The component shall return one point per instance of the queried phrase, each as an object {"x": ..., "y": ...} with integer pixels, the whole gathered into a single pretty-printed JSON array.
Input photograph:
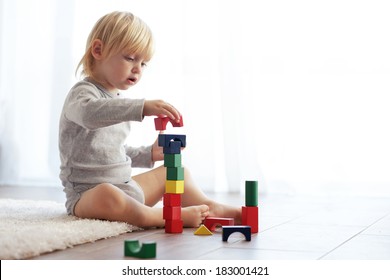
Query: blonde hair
[{"x": 118, "y": 31}]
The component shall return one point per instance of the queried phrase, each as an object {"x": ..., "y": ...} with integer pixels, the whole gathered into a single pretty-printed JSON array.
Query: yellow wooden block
[
  {"x": 203, "y": 230},
  {"x": 172, "y": 186}
]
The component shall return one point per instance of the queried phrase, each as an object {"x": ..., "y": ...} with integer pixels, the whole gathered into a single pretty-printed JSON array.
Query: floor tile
[
  {"x": 267, "y": 222},
  {"x": 296, "y": 237},
  {"x": 340, "y": 217},
  {"x": 363, "y": 247},
  {"x": 253, "y": 254},
  {"x": 290, "y": 206},
  {"x": 382, "y": 227}
]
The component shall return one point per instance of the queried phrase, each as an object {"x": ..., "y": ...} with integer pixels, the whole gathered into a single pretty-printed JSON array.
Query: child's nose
[{"x": 137, "y": 68}]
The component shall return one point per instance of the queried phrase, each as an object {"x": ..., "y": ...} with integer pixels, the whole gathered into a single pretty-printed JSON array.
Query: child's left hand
[{"x": 157, "y": 152}]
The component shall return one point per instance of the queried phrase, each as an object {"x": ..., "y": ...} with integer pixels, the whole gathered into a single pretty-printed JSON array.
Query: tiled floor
[
  {"x": 291, "y": 228},
  {"x": 328, "y": 228}
]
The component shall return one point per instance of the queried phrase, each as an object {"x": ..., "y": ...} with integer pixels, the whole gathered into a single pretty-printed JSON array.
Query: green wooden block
[
  {"x": 172, "y": 160},
  {"x": 145, "y": 251},
  {"x": 175, "y": 173},
  {"x": 251, "y": 193}
]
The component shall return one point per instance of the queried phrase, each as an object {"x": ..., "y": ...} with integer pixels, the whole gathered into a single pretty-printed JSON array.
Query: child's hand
[
  {"x": 161, "y": 108},
  {"x": 157, "y": 152}
]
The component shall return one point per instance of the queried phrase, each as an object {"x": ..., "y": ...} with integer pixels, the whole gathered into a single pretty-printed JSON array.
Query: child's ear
[{"x": 97, "y": 49}]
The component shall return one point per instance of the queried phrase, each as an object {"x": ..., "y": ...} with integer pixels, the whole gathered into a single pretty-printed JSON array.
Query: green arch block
[{"x": 145, "y": 251}]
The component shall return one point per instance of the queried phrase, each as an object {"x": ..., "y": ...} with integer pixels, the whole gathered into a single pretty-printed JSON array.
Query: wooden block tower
[
  {"x": 174, "y": 185},
  {"x": 250, "y": 212}
]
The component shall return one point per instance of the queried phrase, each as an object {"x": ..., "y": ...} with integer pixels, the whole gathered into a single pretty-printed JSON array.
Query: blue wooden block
[
  {"x": 174, "y": 148},
  {"x": 228, "y": 230},
  {"x": 165, "y": 139}
]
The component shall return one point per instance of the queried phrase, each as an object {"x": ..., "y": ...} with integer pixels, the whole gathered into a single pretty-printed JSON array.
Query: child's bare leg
[
  {"x": 194, "y": 195},
  {"x": 107, "y": 202},
  {"x": 153, "y": 185}
]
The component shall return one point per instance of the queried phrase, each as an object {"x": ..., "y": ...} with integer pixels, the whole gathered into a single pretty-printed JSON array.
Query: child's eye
[
  {"x": 129, "y": 58},
  {"x": 143, "y": 64}
]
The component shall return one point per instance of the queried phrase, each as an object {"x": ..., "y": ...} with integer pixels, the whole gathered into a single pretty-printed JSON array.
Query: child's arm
[
  {"x": 145, "y": 157},
  {"x": 161, "y": 108},
  {"x": 141, "y": 156},
  {"x": 154, "y": 153},
  {"x": 86, "y": 108}
]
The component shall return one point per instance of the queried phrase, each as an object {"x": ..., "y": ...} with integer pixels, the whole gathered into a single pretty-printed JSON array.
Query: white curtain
[
  {"x": 36, "y": 71},
  {"x": 294, "y": 94}
]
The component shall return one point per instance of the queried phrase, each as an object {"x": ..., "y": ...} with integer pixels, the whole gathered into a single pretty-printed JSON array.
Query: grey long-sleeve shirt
[{"x": 94, "y": 126}]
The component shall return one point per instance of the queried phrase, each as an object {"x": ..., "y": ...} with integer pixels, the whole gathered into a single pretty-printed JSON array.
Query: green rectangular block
[
  {"x": 175, "y": 173},
  {"x": 251, "y": 193},
  {"x": 172, "y": 160}
]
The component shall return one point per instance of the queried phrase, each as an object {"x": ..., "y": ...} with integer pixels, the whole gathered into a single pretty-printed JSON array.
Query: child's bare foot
[
  {"x": 225, "y": 211},
  {"x": 193, "y": 216}
]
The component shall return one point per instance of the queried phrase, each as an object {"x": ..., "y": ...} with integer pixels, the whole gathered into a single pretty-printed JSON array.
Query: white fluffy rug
[{"x": 29, "y": 228}]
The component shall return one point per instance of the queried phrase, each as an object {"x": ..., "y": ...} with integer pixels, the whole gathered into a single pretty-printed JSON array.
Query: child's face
[{"x": 121, "y": 71}]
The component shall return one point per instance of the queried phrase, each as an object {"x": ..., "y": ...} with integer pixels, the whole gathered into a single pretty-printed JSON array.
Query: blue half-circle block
[{"x": 228, "y": 230}]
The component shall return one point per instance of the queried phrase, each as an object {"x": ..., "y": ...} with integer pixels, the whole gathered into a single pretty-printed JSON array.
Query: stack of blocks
[
  {"x": 250, "y": 212},
  {"x": 249, "y": 217},
  {"x": 174, "y": 185}
]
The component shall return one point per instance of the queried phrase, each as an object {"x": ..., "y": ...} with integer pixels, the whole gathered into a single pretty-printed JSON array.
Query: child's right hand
[{"x": 161, "y": 108}]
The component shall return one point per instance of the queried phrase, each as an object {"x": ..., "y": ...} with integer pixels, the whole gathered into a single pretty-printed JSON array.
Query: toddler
[{"x": 96, "y": 163}]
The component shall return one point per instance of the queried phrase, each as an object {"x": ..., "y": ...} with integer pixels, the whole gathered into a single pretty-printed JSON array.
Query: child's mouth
[{"x": 132, "y": 80}]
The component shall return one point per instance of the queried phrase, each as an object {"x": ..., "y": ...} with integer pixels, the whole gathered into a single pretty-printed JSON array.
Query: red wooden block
[
  {"x": 250, "y": 217},
  {"x": 172, "y": 213},
  {"x": 160, "y": 123},
  {"x": 172, "y": 199},
  {"x": 173, "y": 226},
  {"x": 212, "y": 222},
  {"x": 177, "y": 124}
]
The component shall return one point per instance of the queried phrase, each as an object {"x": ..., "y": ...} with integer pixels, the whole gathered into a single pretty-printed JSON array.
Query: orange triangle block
[{"x": 203, "y": 230}]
